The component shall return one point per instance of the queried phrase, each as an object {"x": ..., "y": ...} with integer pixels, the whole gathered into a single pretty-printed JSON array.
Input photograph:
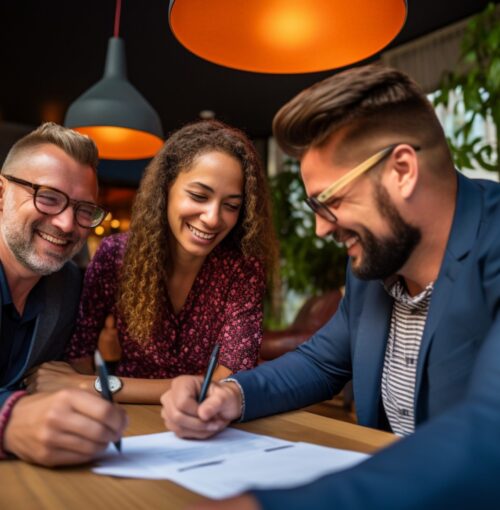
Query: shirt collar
[{"x": 396, "y": 289}]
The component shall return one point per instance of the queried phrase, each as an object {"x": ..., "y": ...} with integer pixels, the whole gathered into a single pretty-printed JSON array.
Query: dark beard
[{"x": 384, "y": 257}]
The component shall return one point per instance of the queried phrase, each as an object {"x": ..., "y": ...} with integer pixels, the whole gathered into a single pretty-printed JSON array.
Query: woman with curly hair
[{"x": 190, "y": 273}]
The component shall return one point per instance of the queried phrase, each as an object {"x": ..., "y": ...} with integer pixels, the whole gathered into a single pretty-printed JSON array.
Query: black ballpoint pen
[
  {"x": 214, "y": 358},
  {"x": 106, "y": 393}
]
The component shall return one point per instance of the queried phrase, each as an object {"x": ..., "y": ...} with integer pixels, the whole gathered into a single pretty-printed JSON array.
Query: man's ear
[{"x": 405, "y": 170}]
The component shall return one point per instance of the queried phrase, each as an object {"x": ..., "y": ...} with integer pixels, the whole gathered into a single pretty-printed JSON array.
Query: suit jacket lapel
[
  {"x": 370, "y": 344},
  {"x": 463, "y": 233},
  {"x": 46, "y": 321}
]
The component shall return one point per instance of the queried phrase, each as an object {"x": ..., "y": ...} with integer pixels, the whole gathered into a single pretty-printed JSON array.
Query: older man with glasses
[
  {"x": 418, "y": 330},
  {"x": 48, "y": 192}
]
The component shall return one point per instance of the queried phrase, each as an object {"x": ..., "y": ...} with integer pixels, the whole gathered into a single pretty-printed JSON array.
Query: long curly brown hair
[{"x": 142, "y": 292}]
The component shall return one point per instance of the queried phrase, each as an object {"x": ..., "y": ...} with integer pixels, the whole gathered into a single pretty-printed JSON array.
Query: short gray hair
[{"x": 80, "y": 147}]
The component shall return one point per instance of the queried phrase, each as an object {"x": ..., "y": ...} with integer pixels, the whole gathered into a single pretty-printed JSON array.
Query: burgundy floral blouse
[{"x": 224, "y": 306}]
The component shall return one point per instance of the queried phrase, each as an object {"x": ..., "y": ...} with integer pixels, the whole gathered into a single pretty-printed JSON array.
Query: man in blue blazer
[
  {"x": 419, "y": 328},
  {"x": 48, "y": 192}
]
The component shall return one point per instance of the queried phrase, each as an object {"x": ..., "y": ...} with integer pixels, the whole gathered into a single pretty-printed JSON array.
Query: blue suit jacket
[
  {"x": 53, "y": 326},
  {"x": 453, "y": 459}
]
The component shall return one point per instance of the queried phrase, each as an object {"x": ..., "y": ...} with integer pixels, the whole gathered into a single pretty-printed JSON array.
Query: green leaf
[
  {"x": 493, "y": 78},
  {"x": 470, "y": 57}
]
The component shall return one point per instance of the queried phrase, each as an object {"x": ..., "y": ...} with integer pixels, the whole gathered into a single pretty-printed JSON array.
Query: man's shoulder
[
  {"x": 68, "y": 280},
  {"x": 490, "y": 191},
  {"x": 61, "y": 293},
  {"x": 69, "y": 270},
  {"x": 477, "y": 215},
  {"x": 490, "y": 214}
]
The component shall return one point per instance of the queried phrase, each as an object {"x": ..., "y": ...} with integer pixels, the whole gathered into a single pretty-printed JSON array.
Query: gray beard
[{"x": 23, "y": 251}]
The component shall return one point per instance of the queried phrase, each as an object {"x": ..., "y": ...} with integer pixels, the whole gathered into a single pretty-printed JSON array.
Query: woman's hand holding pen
[{"x": 184, "y": 416}]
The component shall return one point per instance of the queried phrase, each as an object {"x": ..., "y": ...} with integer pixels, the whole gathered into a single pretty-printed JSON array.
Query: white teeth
[
  {"x": 351, "y": 241},
  {"x": 51, "y": 239},
  {"x": 201, "y": 234}
]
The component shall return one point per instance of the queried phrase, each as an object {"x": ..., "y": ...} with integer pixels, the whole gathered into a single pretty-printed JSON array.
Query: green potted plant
[
  {"x": 477, "y": 80},
  {"x": 309, "y": 265}
]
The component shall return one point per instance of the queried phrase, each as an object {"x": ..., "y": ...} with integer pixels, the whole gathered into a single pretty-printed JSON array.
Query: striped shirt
[{"x": 400, "y": 363}]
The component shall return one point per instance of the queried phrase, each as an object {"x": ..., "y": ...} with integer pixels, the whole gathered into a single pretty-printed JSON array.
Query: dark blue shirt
[{"x": 16, "y": 332}]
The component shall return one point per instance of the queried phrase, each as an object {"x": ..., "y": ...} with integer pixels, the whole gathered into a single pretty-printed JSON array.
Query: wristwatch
[{"x": 115, "y": 384}]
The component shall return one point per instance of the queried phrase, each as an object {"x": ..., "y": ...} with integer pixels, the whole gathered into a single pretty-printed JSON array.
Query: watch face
[{"x": 114, "y": 383}]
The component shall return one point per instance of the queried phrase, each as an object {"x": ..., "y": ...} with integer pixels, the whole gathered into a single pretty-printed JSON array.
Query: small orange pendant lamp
[
  {"x": 286, "y": 36},
  {"x": 113, "y": 113}
]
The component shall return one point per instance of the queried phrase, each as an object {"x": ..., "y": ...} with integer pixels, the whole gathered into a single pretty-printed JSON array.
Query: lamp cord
[{"x": 117, "y": 17}]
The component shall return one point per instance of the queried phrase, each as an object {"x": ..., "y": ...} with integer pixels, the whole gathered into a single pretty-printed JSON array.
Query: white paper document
[{"x": 225, "y": 465}]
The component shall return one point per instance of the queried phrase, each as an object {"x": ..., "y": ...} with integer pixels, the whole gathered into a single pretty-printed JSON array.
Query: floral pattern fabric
[{"x": 223, "y": 306}]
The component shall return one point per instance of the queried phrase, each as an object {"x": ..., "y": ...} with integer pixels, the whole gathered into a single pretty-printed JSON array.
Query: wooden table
[{"x": 27, "y": 487}]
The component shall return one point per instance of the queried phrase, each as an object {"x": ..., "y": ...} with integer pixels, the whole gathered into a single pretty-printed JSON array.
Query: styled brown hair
[
  {"x": 142, "y": 291},
  {"x": 373, "y": 99},
  {"x": 80, "y": 147}
]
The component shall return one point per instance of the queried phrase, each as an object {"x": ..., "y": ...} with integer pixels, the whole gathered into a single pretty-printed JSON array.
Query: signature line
[
  {"x": 202, "y": 464},
  {"x": 279, "y": 448}
]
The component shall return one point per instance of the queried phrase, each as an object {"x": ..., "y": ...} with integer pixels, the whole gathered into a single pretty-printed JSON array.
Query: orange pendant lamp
[
  {"x": 113, "y": 112},
  {"x": 286, "y": 36}
]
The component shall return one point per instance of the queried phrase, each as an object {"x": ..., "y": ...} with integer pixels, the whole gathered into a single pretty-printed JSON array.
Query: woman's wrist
[{"x": 85, "y": 382}]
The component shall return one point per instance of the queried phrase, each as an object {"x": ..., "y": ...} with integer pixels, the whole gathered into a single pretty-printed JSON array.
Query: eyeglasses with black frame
[
  {"x": 52, "y": 201},
  {"x": 319, "y": 203}
]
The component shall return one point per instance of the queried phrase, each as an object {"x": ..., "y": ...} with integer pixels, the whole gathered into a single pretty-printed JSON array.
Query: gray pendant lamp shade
[{"x": 115, "y": 115}]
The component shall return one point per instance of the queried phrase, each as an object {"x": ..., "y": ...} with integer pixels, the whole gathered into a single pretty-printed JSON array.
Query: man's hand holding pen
[
  {"x": 68, "y": 427},
  {"x": 187, "y": 418}
]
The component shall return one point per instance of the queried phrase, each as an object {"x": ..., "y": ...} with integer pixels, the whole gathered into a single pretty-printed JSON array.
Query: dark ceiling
[{"x": 53, "y": 50}]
